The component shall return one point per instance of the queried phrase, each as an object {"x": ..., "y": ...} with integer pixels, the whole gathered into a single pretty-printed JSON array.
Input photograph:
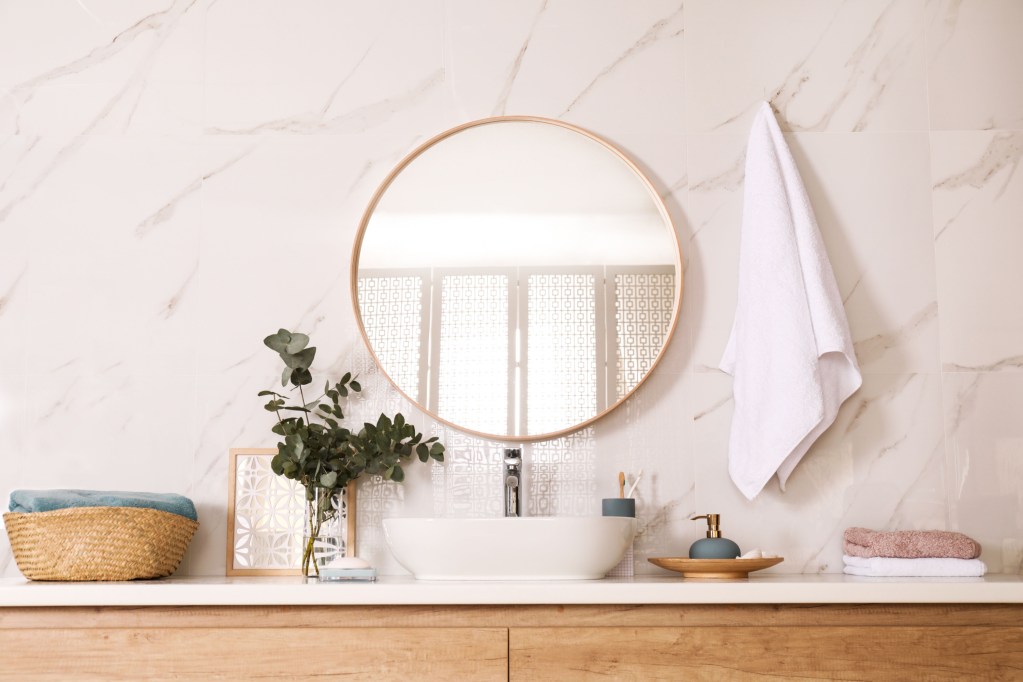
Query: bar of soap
[{"x": 348, "y": 562}]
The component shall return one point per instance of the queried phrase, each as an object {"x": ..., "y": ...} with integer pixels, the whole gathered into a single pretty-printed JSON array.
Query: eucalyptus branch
[{"x": 317, "y": 449}]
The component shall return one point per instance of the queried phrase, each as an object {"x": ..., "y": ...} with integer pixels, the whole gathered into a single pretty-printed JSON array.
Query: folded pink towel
[{"x": 910, "y": 544}]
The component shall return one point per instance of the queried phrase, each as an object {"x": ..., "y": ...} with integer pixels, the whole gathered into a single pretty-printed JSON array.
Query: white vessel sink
[{"x": 537, "y": 548}]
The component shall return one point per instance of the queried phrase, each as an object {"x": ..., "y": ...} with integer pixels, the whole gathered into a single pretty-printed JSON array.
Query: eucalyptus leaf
[
  {"x": 297, "y": 343},
  {"x": 279, "y": 341},
  {"x": 355, "y": 386},
  {"x": 301, "y": 377},
  {"x": 301, "y": 360}
]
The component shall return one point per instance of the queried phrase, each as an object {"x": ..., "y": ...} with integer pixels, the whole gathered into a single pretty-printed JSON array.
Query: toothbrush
[
  {"x": 635, "y": 483},
  {"x": 621, "y": 484}
]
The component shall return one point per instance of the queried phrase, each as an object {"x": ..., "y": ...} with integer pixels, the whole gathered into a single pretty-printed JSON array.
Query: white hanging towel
[{"x": 790, "y": 350}]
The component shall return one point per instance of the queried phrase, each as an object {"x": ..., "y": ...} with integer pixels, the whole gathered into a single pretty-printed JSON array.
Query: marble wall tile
[
  {"x": 101, "y": 68},
  {"x": 622, "y": 73},
  {"x": 87, "y": 233},
  {"x": 978, "y": 200},
  {"x": 872, "y": 205},
  {"x": 975, "y": 57},
  {"x": 279, "y": 218},
  {"x": 985, "y": 463},
  {"x": 826, "y": 65},
  {"x": 315, "y": 67}
]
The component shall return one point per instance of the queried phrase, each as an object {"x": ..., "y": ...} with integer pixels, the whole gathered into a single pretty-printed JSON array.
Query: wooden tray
[{"x": 714, "y": 568}]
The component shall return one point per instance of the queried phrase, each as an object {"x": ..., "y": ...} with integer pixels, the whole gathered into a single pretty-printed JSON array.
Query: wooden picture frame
[{"x": 258, "y": 499}]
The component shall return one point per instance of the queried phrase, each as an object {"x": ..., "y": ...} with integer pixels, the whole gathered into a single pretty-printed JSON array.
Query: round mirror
[{"x": 517, "y": 277}]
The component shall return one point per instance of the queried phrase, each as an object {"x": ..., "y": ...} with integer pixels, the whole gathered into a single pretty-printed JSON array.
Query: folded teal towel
[{"x": 28, "y": 501}]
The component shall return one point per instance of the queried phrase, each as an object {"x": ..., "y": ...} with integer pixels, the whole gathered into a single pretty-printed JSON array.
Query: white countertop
[{"x": 398, "y": 590}]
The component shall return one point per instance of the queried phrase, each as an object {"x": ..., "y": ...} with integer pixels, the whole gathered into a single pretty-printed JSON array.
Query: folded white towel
[
  {"x": 931, "y": 567},
  {"x": 790, "y": 350}
]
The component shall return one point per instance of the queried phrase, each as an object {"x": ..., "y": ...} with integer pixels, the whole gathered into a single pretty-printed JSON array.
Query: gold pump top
[{"x": 713, "y": 521}]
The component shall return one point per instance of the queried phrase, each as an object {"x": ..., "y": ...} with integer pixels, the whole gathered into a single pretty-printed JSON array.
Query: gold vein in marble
[
  {"x": 871, "y": 349},
  {"x": 165, "y": 212},
  {"x": 1009, "y": 363},
  {"x": 1004, "y": 151},
  {"x": 157, "y": 22},
  {"x": 357, "y": 120},
  {"x": 171, "y": 17},
  {"x": 858, "y": 72},
  {"x": 5, "y": 300},
  {"x": 501, "y": 106},
  {"x": 171, "y": 306},
  {"x": 654, "y": 34}
]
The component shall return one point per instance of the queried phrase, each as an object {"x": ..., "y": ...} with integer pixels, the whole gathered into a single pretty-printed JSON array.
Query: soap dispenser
[{"x": 713, "y": 546}]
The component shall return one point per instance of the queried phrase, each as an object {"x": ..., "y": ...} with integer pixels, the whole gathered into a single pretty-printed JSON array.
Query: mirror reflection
[{"x": 517, "y": 278}]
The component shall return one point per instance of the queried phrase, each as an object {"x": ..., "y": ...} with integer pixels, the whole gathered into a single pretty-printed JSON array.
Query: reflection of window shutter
[
  {"x": 644, "y": 300},
  {"x": 392, "y": 303},
  {"x": 478, "y": 367},
  {"x": 564, "y": 341},
  {"x": 475, "y": 363}
]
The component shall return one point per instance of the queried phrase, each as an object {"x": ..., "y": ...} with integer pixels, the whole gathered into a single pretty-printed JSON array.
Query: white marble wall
[{"x": 179, "y": 178}]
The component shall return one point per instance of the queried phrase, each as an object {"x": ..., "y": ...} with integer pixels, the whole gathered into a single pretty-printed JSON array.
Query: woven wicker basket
[{"x": 98, "y": 543}]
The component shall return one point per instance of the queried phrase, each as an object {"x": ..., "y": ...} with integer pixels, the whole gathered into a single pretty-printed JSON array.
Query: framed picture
[{"x": 266, "y": 516}]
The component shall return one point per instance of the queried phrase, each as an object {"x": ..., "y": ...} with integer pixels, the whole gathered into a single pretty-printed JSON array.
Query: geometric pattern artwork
[
  {"x": 269, "y": 516},
  {"x": 391, "y": 306},
  {"x": 561, "y": 358},
  {"x": 644, "y": 303},
  {"x": 471, "y": 480},
  {"x": 472, "y": 380},
  {"x": 266, "y": 523},
  {"x": 561, "y": 476}
]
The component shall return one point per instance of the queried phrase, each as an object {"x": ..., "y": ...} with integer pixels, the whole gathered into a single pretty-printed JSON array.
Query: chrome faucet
[{"x": 513, "y": 482}]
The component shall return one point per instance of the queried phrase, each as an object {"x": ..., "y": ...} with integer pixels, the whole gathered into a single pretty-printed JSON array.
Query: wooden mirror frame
[{"x": 415, "y": 153}]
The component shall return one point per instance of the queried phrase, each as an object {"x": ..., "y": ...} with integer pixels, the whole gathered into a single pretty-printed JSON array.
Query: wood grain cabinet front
[
  {"x": 250, "y": 653},
  {"x": 875, "y": 642},
  {"x": 773, "y": 653}
]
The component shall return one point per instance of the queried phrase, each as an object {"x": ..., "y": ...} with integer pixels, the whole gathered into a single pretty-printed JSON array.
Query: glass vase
[{"x": 323, "y": 540}]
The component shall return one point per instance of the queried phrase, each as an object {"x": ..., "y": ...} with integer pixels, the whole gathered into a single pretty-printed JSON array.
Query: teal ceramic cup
[{"x": 618, "y": 506}]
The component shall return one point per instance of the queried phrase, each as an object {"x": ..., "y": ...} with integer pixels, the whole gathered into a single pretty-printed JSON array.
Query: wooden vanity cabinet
[{"x": 583, "y": 642}]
